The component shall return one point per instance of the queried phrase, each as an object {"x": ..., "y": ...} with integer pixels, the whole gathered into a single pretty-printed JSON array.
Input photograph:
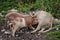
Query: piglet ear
[{"x": 31, "y": 14}]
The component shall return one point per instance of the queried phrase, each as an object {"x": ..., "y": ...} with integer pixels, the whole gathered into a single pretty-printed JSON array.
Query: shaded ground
[{"x": 23, "y": 34}]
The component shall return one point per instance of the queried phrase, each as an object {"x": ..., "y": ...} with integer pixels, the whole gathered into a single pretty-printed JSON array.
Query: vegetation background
[{"x": 52, "y": 6}]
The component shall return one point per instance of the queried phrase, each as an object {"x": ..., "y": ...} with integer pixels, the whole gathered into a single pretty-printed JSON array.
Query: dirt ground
[{"x": 21, "y": 34}]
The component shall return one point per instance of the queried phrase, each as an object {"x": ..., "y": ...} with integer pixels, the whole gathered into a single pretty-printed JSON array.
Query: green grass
[
  {"x": 53, "y": 35},
  {"x": 46, "y": 5}
]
